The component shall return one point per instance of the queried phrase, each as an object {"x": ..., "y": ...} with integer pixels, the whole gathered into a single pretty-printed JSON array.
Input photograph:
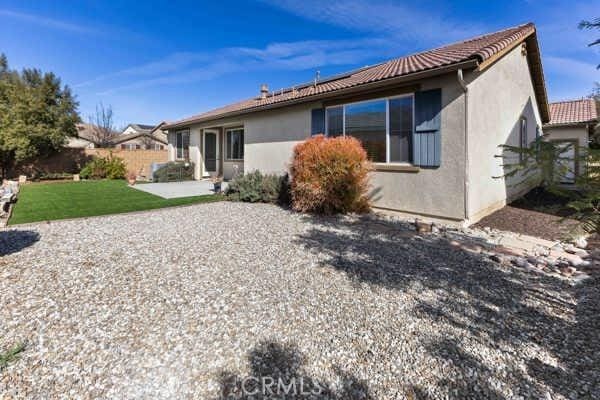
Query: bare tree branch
[{"x": 103, "y": 128}]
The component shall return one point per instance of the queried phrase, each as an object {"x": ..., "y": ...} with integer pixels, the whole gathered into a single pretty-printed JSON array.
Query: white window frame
[
  {"x": 227, "y": 131},
  {"x": 180, "y": 134},
  {"x": 387, "y": 122}
]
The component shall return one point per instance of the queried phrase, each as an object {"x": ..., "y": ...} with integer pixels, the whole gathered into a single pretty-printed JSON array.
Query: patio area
[{"x": 174, "y": 190}]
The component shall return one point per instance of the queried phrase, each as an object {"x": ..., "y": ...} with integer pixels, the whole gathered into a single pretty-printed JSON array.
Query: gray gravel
[{"x": 188, "y": 302}]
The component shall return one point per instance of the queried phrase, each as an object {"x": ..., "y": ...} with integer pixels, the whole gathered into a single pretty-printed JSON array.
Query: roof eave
[
  {"x": 537, "y": 72},
  {"x": 137, "y": 135},
  {"x": 567, "y": 124},
  {"x": 472, "y": 63}
]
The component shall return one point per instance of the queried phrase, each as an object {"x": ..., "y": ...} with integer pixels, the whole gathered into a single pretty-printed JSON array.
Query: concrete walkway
[{"x": 173, "y": 190}]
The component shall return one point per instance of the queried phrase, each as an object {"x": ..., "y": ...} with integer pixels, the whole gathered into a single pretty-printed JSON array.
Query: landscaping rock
[
  {"x": 521, "y": 262},
  {"x": 422, "y": 227},
  {"x": 569, "y": 248},
  {"x": 582, "y": 253},
  {"x": 176, "y": 303},
  {"x": 580, "y": 242},
  {"x": 568, "y": 271},
  {"x": 497, "y": 258},
  {"x": 581, "y": 278}
]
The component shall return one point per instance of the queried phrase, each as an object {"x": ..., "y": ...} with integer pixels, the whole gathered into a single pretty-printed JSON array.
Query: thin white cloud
[
  {"x": 390, "y": 29},
  {"x": 180, "y": 68},
  {"x": 570, "y": 78},
  {"x": 581, "y": 70},
  {"x": 46, "y": 21},
  {"x": 400, "y": 21}
]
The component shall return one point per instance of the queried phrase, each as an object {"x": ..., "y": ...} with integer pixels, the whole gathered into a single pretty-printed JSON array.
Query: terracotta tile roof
[
  {"x": 573, "y": 112},
  {"x": 480, "y": 48}
]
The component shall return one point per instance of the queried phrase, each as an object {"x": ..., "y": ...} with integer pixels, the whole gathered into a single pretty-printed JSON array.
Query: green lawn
[{"x": 49, "y": 201}]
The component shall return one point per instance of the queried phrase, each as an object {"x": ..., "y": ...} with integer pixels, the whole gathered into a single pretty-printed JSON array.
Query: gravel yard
[{"x": 190, "y": 302}]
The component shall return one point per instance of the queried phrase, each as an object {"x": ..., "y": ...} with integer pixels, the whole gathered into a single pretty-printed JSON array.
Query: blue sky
[{"x": 164, "y": 60}]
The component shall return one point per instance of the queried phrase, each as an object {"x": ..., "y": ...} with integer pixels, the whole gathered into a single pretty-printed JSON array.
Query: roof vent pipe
[
  {"x": 264, "y": 91},
  {"x": 317, "y": 77}
]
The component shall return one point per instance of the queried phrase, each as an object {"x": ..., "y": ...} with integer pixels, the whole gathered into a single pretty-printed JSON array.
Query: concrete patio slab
[{"x": 173, "y": 190}]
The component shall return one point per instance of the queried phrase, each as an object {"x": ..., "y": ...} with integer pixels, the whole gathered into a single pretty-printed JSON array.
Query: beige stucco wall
[
  {"x": 232, "y": 169},
  {"x": 579, "y": 133},
  {"x": 171, "y": 146},
  {"x": 434, "y": 192},
  {"x": 498, "y": 97},
  {"x": 195, "y": 151},
  {"x": 270, "y": 137}
]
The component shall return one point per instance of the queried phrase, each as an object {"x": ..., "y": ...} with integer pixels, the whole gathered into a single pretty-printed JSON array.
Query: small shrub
[
  {"x": 11, "y": 355},
  {"x": 330, "y": 175},
  {"x": 255, "y": 187},
  {"x": 174, "y": 172},
  {"x": 109, "y": 167}
]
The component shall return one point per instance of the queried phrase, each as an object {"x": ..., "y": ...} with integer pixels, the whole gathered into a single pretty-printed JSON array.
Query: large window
[
  {"x": 335, "y": 121},
  {"x": 182, "y": 144},
  {"x": 384, "y": 126},
  {"x": 366, "y": 122},
  {"x": 235, "y": 144},
  {"x": 401, "y": 129}
]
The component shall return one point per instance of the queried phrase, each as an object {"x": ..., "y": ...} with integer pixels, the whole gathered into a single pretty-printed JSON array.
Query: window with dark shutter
[
  {"x": 399, "y": 129},
  {"x": 317, "y": 121},
  {"x": 427, "y": 140}
]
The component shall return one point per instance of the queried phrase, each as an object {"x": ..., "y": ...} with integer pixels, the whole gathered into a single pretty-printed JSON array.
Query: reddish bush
[{"x": 330, "y": 175}]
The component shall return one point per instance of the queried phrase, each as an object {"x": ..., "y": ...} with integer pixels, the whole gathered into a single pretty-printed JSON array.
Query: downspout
[{"x": 463, "y": 85}]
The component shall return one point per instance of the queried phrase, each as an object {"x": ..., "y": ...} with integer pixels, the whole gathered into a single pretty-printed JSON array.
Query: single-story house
[
  {"x": 573, "y": 123},
  {"x": 141, "y": 137},
  {"x": 431, "y": 122},
  {"x": 84, "y": 139}
]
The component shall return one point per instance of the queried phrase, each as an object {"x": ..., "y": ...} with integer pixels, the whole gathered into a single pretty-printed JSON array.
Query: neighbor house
[
  {"x": 572, "y": 123},
  {"x": 431, "y": 123},
  {"x": 141, "y": 137},
  {"x": 85, "y": 138}
]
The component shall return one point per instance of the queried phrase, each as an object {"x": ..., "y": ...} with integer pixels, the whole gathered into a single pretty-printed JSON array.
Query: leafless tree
[
  {"x": 102, "y": 125},
  {"x": 147, "y": 142}
]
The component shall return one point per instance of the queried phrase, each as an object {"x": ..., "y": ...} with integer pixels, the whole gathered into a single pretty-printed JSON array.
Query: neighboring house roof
[
  {"x": 480, "y": 51},
  {"x": 151, "y": 131},
  {"x": 158, "y": 131},
  {"x": 86, "y": 132},
  {"x": 140, "y": 127},
  {"x": 573, "y": 112},
  {"x": 135, "y": 135}
]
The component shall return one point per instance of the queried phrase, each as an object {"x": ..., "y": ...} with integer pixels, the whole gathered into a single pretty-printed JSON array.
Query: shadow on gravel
[
  {"x": 276, "y": 373},
  {"x": 13, "y": 241},
  {"x": 503, "y": 308}
]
